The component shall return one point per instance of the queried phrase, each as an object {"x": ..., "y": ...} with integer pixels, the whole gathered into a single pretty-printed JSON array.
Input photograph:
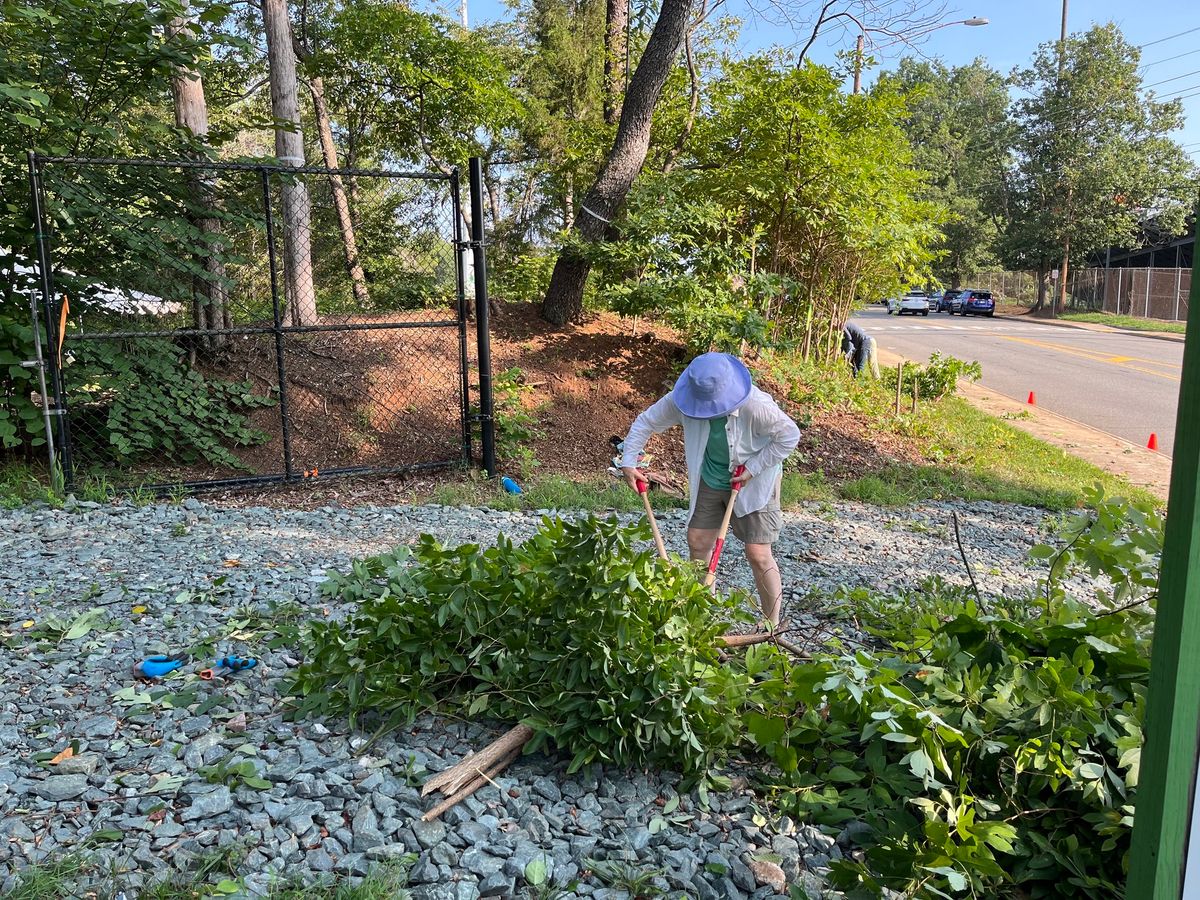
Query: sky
[{"x": 1015, "y": 29}]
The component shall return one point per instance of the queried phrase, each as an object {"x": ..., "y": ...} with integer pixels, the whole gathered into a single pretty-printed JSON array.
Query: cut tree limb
[
  {"x": 453, "y": 780},
  {"x": 481, "y": 778},
  {"x": 765, "y": 637}
]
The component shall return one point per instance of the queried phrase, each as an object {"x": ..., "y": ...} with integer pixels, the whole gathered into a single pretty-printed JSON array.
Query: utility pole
[
  {"x": 858, "y": 61},
  {"x": 1060, "y": 301},
  {"x": 462, "y": 13}
]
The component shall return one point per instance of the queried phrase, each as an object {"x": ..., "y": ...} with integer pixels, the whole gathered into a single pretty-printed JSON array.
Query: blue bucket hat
[{"x": 713, "y": 385}]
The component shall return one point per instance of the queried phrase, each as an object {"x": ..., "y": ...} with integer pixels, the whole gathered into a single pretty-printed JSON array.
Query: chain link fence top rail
[
  {"x": 1160, "y": 293},
  {"x": 237, "y": 322}
]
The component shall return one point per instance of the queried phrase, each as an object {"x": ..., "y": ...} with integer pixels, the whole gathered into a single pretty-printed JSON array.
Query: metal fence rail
[
  {"x": 221, "y": 324},
  {"x": 1142, "y": 293}
]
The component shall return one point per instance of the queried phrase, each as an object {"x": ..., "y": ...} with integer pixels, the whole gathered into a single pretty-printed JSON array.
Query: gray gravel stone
[
  {"x": 325, "y": 778},
  {"x": 58, "y": 788}
]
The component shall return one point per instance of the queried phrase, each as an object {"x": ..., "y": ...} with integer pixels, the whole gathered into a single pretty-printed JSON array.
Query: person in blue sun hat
[{"x": 727, "y": 422}]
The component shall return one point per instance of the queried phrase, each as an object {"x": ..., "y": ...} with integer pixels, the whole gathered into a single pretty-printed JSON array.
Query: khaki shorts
[{"x": 761, "y": 527}]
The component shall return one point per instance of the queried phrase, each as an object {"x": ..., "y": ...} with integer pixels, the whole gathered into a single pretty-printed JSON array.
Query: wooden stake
[
  {"x": 899, "y": 382},
  {"x": 916, "y": 392}
]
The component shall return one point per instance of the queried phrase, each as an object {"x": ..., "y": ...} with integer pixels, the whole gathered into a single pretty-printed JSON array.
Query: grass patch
[
  {"x": 800, "y": 487},
  {"x": 19, "y": 485},
  {"x": 551, "y": 492},
  {"x": 967, "y": 454},
  {"x": 983, "y": 458},
  {"x": 1131, "y": 323},
  {"x": 74, "y": 875}
]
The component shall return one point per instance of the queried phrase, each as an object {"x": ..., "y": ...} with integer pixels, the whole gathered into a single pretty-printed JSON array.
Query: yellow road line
[{"x": 1119, "y": 361}]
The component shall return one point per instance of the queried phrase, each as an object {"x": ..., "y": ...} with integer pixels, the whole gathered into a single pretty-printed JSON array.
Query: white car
[{"x": 915, "y": 302}]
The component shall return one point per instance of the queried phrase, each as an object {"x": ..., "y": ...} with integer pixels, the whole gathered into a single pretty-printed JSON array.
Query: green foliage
[
  {"x": 936, "y": 379},
  {"x": 605, "y": 650},
  {"x": 957, "y": 123},
  {"x": 989, "y": 750},
  {"x": 516, "y": 424},
  {"x": 523, "y": 278},
  {"x": 1092, "y": 154},
  {"x": 142, "y": 399},
  {"x": 234, "y": 772},
  {"x": 792, "y": 202},
  {"x": 21, "y": 420}
]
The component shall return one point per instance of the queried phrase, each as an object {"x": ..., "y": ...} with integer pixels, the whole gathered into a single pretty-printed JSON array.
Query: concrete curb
[{"x": 1092, "y": 326}]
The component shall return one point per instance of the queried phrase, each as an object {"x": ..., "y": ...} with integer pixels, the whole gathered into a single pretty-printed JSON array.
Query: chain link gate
[{"x": 226, "y": 324}]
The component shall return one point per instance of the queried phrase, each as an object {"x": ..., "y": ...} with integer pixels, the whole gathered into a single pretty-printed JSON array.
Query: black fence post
[
  {"x": 486, "y": 419},
  {"x": 285, "y": 422},
  {"x": 54, "y": 339},
  {"x": 460, "y": 277}
]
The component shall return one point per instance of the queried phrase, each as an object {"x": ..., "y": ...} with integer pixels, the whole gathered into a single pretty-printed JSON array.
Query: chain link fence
[
  {"x": 1158, "y": 293},
  {"x": 222, "y": 324}
]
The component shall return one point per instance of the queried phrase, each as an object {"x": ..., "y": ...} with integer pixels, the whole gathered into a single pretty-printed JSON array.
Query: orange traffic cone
[
  {"x": 1152, "y": 444},
  {"x": 1032, "y": 401}
]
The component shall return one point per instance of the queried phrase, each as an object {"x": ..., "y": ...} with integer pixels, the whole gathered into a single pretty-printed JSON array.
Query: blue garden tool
[
  {"x": 157, "y": 666},
  {"x": 227, "y": 665}
]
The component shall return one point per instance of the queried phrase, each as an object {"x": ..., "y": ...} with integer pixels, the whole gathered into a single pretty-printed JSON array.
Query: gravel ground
[{"x": 167, "y": 577}]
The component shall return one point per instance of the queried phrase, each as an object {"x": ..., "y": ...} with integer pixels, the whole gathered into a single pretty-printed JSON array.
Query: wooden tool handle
[
  {"x": 643, "y": 488},
  {"x": 713, "y": 560}
]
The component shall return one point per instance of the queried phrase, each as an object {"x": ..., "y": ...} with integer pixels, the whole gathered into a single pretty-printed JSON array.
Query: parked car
[
  {"x": 915, "y": 302},
  {"x": 934, "y": 299},
  {"x": 976, "y": 303},
  {"x": 946, "y": 301}
]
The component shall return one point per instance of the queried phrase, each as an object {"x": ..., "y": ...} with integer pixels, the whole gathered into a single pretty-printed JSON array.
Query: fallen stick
[
  {"x": 452, "y": 780},
  {"x": 472, "y": 786}
]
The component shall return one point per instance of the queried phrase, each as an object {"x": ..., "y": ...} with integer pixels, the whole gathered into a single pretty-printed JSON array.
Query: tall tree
[
  {"x": 616, "y": 48},
  {"x": 303, "y": 47},
  {"x": 1094, "y": 159},
  {"x": 210, "y": 303},
  {"x": 289, "y": 149},
  {"x": 564, "y": 297},
  {"x": 957, "y": 124}
]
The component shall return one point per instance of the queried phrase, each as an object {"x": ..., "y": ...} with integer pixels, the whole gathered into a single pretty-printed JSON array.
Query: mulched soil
[{"x": 586, "y": 384}]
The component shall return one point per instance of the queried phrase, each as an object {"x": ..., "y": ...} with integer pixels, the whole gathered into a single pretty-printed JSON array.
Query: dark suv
[
  {"x": 975, "y": 303},
  {"x": 945, "y": 302}
]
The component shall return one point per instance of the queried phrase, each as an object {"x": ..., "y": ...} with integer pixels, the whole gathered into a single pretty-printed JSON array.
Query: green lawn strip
[
  {"x": 1129, "y": 322},
  {"x": 983, "y": 458}
]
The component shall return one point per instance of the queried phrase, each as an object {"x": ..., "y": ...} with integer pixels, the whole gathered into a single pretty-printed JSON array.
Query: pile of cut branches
[{"x": 580, "y": 633}]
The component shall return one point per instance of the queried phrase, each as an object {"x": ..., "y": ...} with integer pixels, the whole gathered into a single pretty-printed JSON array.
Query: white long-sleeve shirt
[{"x": 760, "y": 435}]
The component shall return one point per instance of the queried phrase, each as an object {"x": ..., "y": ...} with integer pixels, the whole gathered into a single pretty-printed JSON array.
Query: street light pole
[{"x": 862, "y": 33}]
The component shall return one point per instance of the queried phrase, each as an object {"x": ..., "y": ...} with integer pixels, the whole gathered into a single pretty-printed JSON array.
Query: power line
[
  {"x": 1176, "y": 78},
  {"x": 1170, "y": 37},
  {"x": 1170, "y": 58}
]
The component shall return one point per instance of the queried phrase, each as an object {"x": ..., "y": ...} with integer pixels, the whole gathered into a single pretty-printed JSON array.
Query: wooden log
[
  {"x": 481, "y": 778},
  {"x": 453, "y": 779}
]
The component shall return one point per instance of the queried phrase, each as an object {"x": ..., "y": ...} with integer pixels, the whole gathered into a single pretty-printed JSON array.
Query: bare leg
[
  {"x": 701, "y": 542},
  {"x": 766, "y": 578}
]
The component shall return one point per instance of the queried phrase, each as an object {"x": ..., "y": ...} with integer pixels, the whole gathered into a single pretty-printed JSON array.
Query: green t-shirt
[{"x": 715, "y": 468}]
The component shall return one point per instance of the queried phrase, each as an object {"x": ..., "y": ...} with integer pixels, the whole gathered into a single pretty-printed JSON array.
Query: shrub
[
  {"x": 605, "y": 650},
  {"x": 937, "y": 378},
  {"x": 986, "y": 749}
]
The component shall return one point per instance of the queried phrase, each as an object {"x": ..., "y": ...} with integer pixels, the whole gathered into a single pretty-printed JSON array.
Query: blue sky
[{"x": 1016, "y": 28}]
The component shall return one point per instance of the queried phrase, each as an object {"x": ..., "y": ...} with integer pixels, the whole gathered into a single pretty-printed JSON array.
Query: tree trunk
[
  {"x": 289, "y": 149},
  {"x": 564, "y": 298},
  {"x": 210, "y": 293},
  {"x": 616, "y": 22},
  {"x": 1060, "y": 302},
  {"x": 1041, "y": 290},
  {"x": 316, "y": 87}
]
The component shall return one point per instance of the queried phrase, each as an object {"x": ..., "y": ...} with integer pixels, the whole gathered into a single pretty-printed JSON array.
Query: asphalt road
[{"x": 1125, "y": 384}]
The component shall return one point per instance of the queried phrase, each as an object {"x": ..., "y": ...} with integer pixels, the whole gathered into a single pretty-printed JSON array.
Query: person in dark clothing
[{"x": 858, "y": 347}]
